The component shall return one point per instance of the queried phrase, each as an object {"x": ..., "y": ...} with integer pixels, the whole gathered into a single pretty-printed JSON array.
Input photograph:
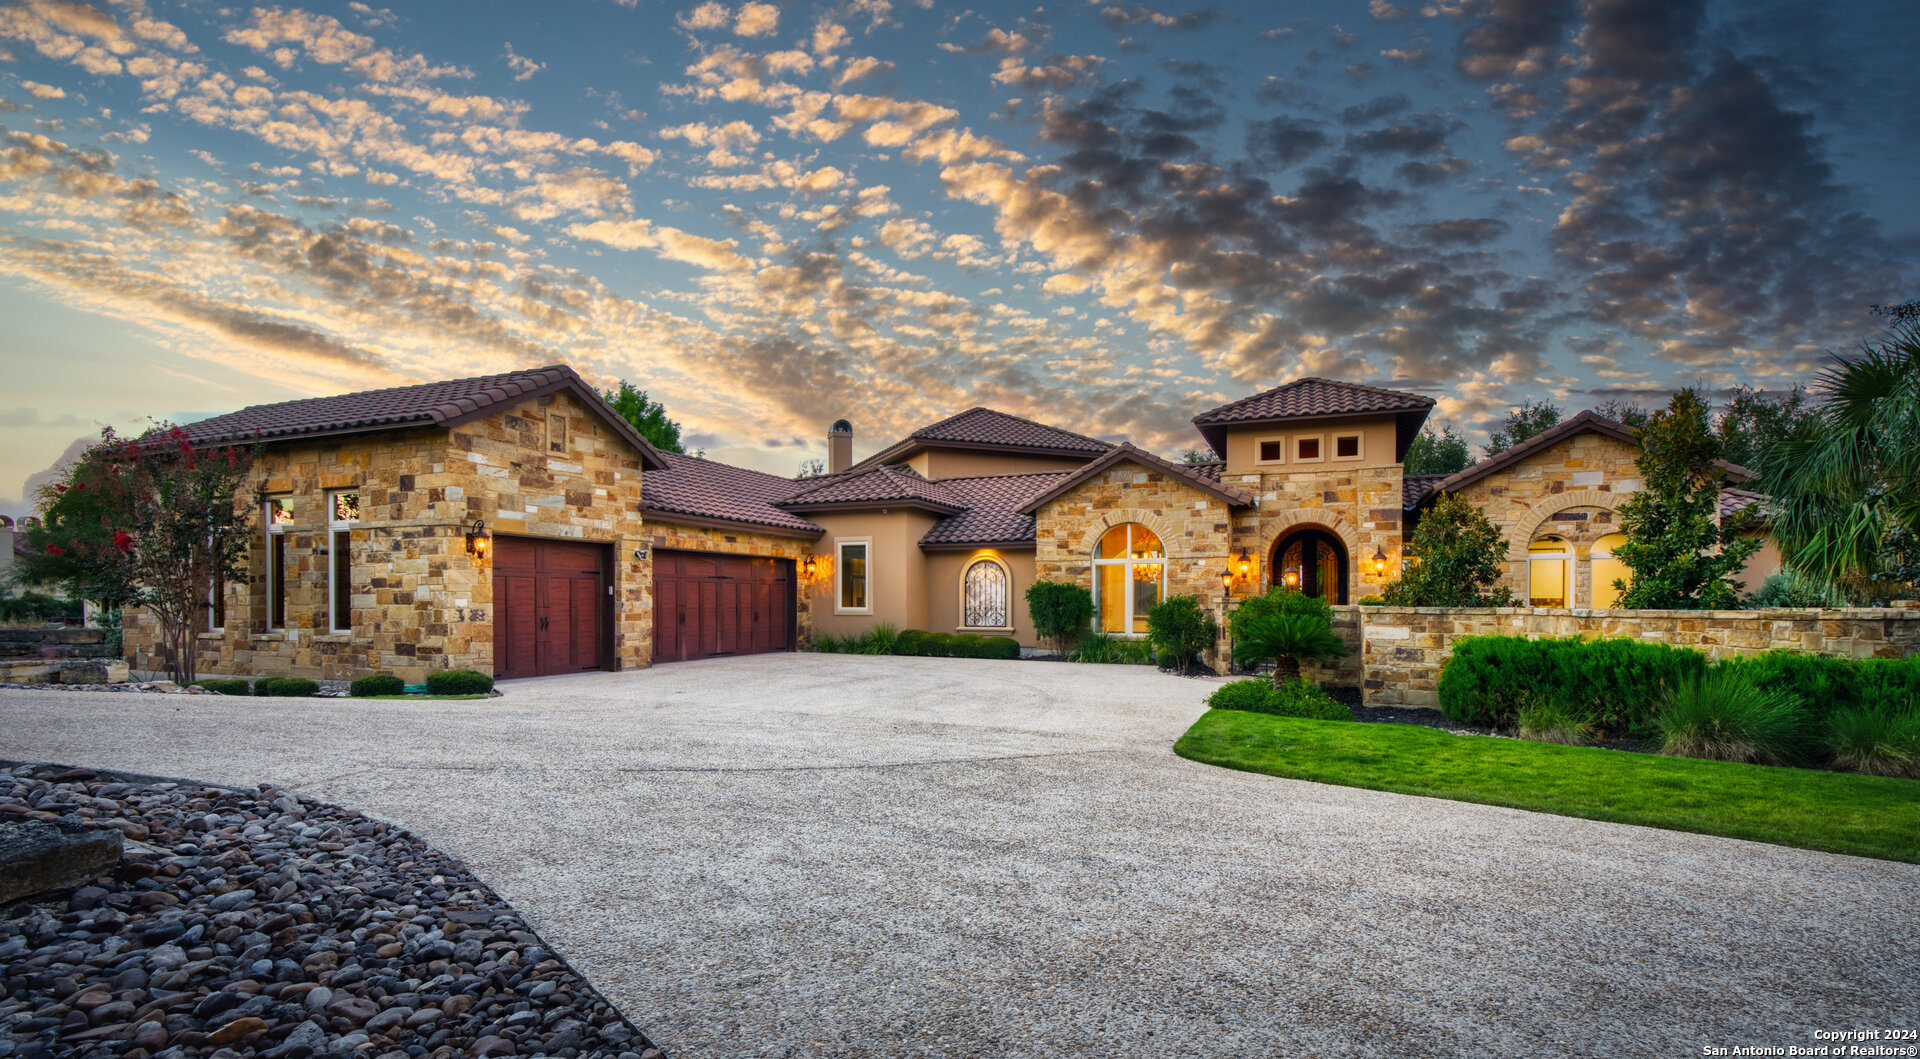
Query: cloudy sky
[{"x": 1106, "y": 215}]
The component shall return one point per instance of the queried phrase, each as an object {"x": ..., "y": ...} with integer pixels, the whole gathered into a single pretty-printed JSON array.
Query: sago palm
[{"x": 1288, "y": 639}]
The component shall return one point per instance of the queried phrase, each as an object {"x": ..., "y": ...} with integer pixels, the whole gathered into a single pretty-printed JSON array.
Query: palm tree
[
  {"x": 1850, "y": 478},
  {"x": 1288, "y": 639}
]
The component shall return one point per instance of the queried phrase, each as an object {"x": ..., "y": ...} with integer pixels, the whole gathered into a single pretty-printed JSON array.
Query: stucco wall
[
  {"x": 969, "y": 463},
  {"x": 898, "y": 586},
  {"x": 944, "y": 573},
  {"x": 1403, "y": 648},
  {"x": 1377, "y": 433}
]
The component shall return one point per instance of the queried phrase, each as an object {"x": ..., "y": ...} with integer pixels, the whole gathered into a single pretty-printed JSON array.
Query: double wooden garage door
[
  {"x": 706, "y": 605},
  {"x": 551, "y": 607}
]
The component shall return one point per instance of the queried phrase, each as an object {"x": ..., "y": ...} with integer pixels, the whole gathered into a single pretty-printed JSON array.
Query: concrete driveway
[{"x": 827, "y": 855}]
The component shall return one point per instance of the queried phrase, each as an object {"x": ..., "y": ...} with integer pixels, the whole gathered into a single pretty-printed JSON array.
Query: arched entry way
[{"x": 1311, "y": 560}]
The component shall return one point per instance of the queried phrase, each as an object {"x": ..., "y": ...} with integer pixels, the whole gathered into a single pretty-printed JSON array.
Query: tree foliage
[
  {"x": 1753, "y": 421},
  {"x": 1441, "y": 453},
  {"x": 1626, "y": 413},
  {"x": 1845, "y": 485},
  {"x": 1459, "y": 555},
  {"x": 1522, "y": 423},
  {"x": 1683, "y": 556},
  {"x": 1180, "y": 629},
  {"x": 1286, "y": 626},
  {"x": 648, "y": 417},
  {"x": 1060, "y": 611}
]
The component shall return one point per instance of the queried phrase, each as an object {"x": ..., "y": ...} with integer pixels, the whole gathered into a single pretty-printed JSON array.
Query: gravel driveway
[{"x": 822, "y": 855}]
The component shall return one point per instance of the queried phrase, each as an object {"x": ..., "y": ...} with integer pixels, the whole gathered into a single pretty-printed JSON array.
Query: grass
[
  {"x": 416, "y": 698},
  {"x": 1866, "y": 816}
]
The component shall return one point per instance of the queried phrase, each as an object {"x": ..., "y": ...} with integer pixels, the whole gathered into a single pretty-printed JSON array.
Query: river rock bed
[{"x": 261, "y": 923}]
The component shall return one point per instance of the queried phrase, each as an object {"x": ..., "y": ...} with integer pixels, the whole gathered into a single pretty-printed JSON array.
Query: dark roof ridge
[
  {"x": 1125, "y": 451},
  {"x": 1581, "y": 422}
]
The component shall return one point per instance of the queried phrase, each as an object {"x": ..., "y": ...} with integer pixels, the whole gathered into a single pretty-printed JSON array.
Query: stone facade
[
  {"x": 1359, "y": 505},
  {"x": 1570, "y": 488},
  {"x": 1403, "y": 648}
]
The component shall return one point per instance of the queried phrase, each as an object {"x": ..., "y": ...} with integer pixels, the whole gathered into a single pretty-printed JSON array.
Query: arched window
[
  {"x": 1312, "y": 561},
  {"x": 1550, "y": 572},
  {"x": 1129, "y": 577},
  {"x": 1604, "y": 570},
  {"x": 984, "y": 593}
]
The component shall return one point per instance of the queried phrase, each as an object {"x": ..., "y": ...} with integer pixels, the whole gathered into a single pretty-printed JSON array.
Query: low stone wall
[{"x": 1402, "y": 648}]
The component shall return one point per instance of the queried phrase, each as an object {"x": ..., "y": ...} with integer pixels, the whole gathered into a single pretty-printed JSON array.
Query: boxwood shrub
[
  {"x": 286, "y": 687},
  {"x": 458, "y": 682},
  {"x": 227, "y": 687},
  {"x": 1295, "y": 698},
  {"x": 376, "y": 684},
  {"x": 910, "y": 642},
  {"x": 1618, "y": 683},
  {"x": 1000, "y": 647}
]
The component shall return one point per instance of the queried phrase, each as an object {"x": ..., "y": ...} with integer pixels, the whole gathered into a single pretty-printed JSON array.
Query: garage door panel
[
  {"x": 722, "y": 605},
  {"x": 549, "y": 606}
]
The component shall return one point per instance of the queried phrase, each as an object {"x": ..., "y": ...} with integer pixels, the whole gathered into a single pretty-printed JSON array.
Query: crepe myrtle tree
[{"x": 155, "y": 522}]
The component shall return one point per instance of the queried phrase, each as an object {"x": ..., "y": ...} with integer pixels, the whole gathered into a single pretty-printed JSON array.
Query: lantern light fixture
[
  {"x": 1293, "y": 578},
  {"x": 808, "y": 567},
  {"x": 1245, "y": 563},
  {"x": 478, "y": 539},
  {"x": 1379, "y": 560}
]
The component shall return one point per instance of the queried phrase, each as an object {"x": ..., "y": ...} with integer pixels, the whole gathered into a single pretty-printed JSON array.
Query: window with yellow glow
[
  {"x": 1549, "y": 572},
  {"x": 1129, "y": 577},
  {"x": 1606, "y": 570}
]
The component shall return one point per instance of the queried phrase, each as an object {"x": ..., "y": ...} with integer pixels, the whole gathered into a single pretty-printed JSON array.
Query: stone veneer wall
[
  {"x": 1403, "y": 648},
  {"x": 1360, "y": 505},
  {"x": 420, "y": 602},
  {"x": 1587, "y": 475}
]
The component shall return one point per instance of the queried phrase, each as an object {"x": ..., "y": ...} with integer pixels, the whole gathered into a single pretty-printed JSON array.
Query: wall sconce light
[
  {"x": 1293, "y": 578},
  {"x": 1379, "y": 560},
  {"x": 808, "y": 567},
  {"x": 1226, "y": 584},
  {"x": 640, "y": 554},
  {"x": 1245, "y": 563},
  {"x": 477, "y": 539}
]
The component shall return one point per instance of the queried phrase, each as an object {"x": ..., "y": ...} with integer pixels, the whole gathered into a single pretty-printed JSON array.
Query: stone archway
[
  {"x": 1525, "y": 525},
  {"x": 1272, "y": 530}
]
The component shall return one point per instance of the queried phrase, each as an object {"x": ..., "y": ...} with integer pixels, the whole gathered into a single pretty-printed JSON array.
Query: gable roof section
[
  {"x": 1415, "y": 488},
  {"x": 1126, "y": 452},
  {"x": 985, "y": 428},
  {"x": 701, "y": 492},
  {"x": 442, "y": 404},
  {"x": 994, "y": 514},
  {"x": 1315, "y": 398},
  {"x": 1584, "y": 423},
  {"x": 893, "y": 486}
]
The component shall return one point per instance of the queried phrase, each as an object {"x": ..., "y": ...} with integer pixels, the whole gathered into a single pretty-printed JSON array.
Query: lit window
[
  {"x": 984, "y": 596},
  {"x": 1346, "y": 447},
  {"x": 1605, "y": 570},
  {"x": 853, "y": 575},
  {"x": 343, "y": 513},
  {"x": 278, "y": 517},
  {"x": 1549, "y": 570},
  {"x": 1130, "y": 576}
]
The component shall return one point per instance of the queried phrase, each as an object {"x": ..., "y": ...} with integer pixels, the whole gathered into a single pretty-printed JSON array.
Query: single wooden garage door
[
  {"x": 706, "y": 605},
  {"x": 549, "y": 607}
]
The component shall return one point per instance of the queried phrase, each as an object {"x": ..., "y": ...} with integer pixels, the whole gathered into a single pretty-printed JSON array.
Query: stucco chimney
[{"x": 839, "y": 446}]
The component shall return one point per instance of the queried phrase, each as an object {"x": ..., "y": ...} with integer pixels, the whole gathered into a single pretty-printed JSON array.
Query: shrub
[
  {"x": 1615, "y": 684},
  {"x": 1792, "y": 588},
  {"x": 938, "y": 645},
  {"x": 33, "y": 606},
  {"x": 1295, "y": 698},
  {"x": 1725, "y": 716},
  {"x": 1829, "y": 685},
  {"x": 458, "y": 682},
  {"x": 967, "y": 645},
  {"x": 1461, "y": 557},
  {"x": 877, "y": 640},
  {"x": 910, "y": 642},
  {"x": 1099, "y": 648},
  {"x": 1879, "y": 742},
  {"x": 1060, "y": 612},
  {"x": 1287, "y": 626},
  {"x": 227, "y": 687},
  {"x": 1548, "y": 720},
  {"x": 1278, "y": 600},
  {"x": 286, "y": 687},
  {"x": 1178, "y": 626},
  {"x": 827, "y": 643},
  {"x": 1373, "y": 601},
  {"x": 376, "y": 684},
  {"x": 1001, "y": 647}
]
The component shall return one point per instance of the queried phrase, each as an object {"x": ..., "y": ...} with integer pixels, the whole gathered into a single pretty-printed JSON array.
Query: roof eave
[
  {"x": 910, "y": 503},
  {"x": 681, "y": 518},
  {"x": 1014, "y": 544}
]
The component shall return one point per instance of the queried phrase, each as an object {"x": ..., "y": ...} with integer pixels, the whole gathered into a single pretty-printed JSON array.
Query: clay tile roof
[
  {"x": 709, "y": 491},
  {"x": 889, "y": 484},
  {"x": 1417, "y": 487},
  {"x": 993, "y": 514},
  {"x": 444, "y": 404},
  {"x": 1313, "y": 398},
  {"x": 986, "y": 428},
  {"x": 1734, "y": 500},
  {"x": 1194, "y": 475},
  {"x": 1584, "y": 423}
]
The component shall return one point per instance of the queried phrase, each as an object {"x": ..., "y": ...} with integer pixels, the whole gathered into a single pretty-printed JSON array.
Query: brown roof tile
[
  {"x": 444, "y": 404},
  {"x": 691, "y": 486},
  {"x": 986, "y": 428},
  {"x": 993, "y": 514},
  {"x": 1417, "y": 487},
  {"x": 1313, "y": 397},
  {"x": 873, "y": 485}
]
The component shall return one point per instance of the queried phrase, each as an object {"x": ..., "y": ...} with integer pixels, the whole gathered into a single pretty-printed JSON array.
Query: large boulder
[{"x": 39, "y": 855}]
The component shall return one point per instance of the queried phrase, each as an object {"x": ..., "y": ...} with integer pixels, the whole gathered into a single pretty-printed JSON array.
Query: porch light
[
  {"x": 808, "y": 567},
  {"x": 1245, "y": 563},
  {"x": 1226, "y": 586},
  {"x": 1293, "y": 578},
  {"x": 477, "y": 539},
  {"x": 1379, "y": 561}
]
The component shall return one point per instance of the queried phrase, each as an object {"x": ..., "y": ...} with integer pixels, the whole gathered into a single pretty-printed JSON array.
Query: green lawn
[
  {"x": 418, "y": 698},
  {"x": 1867, "y": 816}
]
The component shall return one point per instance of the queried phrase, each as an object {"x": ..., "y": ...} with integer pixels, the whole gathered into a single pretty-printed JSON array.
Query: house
[{"x": 512, "y": 523}]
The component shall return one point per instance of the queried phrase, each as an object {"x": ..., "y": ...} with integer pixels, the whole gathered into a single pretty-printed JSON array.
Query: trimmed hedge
[
  {"x": 1295, "y": 698},
  {"x": 911, "y": 642},
  {"x": 227, "y": 687},
  {"x": 377, "y": 684},
  {"x": 1618, "y": 684},
  {"x": 286, "y": 687},
  {"x": 458, "y": 682}
]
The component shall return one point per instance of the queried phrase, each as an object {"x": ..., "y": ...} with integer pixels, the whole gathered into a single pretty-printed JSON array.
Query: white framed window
[
  {"x": 1129, "y": 577},
  {"x": 853, "y": 576},
  {"x": 343, "y": 514},
  {"x": 217, "y": 605},
  {"x": 986, "y": 595},
  {"x": 1309, "y": 448},
  {"x": 1550, "y": 572},
  {"x": 1603, "y": 569},
  {"x": 1349, "y": 446},
  {"x": 1269, "y": 450},
  {"x": 275, "y": 520}
]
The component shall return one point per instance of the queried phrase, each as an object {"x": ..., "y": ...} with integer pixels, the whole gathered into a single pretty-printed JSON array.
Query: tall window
[
  {"x": 984, "y": 596},
  {"x": 854, "y": 577},
  {"x": 1605, "y": 570},
  {"x": 343, "y": 513},
  {"x": 1550, "y": 572},
  {"x": 279, "y": 516},
  {"x": 1130, "y": 576}
]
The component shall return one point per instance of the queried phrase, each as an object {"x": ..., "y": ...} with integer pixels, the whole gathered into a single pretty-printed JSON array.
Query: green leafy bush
[
  {"x": 458, "y": 682},
  {"x": 827, "y": 643},
  {"x": 1060, "y": 612},
  {"x": 1461, "y": 557},
  {"x": 1003, "y": 647},
  {"x": 910, "y": 642},
  {"x": 286, "y": 687},
  {"x": 877, "y": 640},
  {"x": 1277, "y": 600},
  {"x": 227, "y": 687},
  {"x": 1792, "y": 588},
  {"x": 1295, "y": 698},
  {"x": 1724, "y": 715},
  {"x": 1548, "y": 720},
  {"x": 1099, "y": 648},
  {"x": 1615, "y": 684},
  {"x": 967, "y": 645},
  {"x": 1286, "y": 626},
  {"x": 1882, "y": 741},
  {"x": 1373, "y": 601},
  {"x": 38, "y": 606},
  {"x": 376, "y": 684},
  {"x": 1180, "y": 627}
]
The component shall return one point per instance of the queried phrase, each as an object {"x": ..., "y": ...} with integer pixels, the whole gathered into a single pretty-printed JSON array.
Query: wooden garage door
[
  {"x": 706, "y": 605},
  {"x": 549, "y": 607}
]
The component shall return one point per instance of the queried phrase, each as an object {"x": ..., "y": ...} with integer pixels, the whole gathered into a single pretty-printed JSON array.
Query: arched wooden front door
[{"x": 1312, "y": 561}]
